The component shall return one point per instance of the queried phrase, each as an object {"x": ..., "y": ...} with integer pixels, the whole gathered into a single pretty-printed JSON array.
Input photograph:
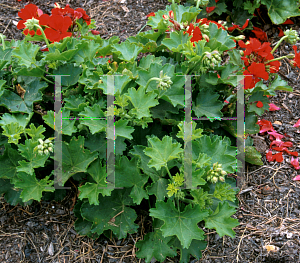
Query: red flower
[
  {"x": 95, "y": 32},
  {"x": 28, "y": 12},
  {"x": 296, "y": 60},
  {"x": 258, "y": 70},
  {"x": 259, "y": 104},
  {"x": 276, "y": 157},
  {"x": 288, "y": 22},
  {"x": 260, "y": 34},
  {"x": 210, "y": 9},
  {"x": 281, "y": 34},
  {"x": 151, "y": 14},
  {"x": 233, "y": 27},
  {"x": 58, "y": 28},
  {"x": 256, "y": 59},
  {"x": 73, "y": 14},
  {"x": 265, "y": 126},
  {"x": 273, "y": 107},
  {"x": 297, "y": 124},
  {"x": 297, "y": 178},
  {"x": 205, "y": 21},
  {"x": 196, "y": 32},
  {"x": 295, "y": 163},
  {"x": 217, "y": 1}
]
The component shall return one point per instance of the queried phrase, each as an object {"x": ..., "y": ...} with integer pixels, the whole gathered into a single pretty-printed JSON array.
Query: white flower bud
[{"x": 41, "y": 141}]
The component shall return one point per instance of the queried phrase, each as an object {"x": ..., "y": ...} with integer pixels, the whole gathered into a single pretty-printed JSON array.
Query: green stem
[
  {"x": 169, "y": 173},
  {"x": 197, "y": 6},
  {"x": 178, "y": 207},
  {"x": 44, "y": 36},
  {"x": 174, "y": 9},
  {"x": 44, "y": 72},
  {"x": 25, "y": 135},
  {"x": 3, "y": 42},
  {"x": 154, "y": 78},
  {"x": 279, "y": 42},
  {"x": 287, "y": 56}
]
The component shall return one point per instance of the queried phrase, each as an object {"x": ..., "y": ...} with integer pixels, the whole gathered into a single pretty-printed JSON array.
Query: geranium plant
[{"x": 149, "y": 122}]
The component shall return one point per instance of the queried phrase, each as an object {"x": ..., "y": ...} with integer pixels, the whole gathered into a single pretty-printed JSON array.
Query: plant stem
[
  {"x": 279, "y": 42},
  {"x": 287, "y": 56},
  {"x": 44, "y": 36},
  {"x": 25, "y": 135},
  {"x": 169, "y": 173},
  {"x": 3, "y": 42},
  {"x": 44, "y": 72},
  {"x": 173, "y": 9},
  {"x": 154, "y": 78}
]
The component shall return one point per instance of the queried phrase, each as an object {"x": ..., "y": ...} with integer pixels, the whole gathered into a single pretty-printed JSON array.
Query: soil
[{"x": 269, "y": 199}]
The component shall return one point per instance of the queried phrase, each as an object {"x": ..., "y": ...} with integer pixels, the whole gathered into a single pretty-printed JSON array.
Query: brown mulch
[{"x": 269, "y": 200}]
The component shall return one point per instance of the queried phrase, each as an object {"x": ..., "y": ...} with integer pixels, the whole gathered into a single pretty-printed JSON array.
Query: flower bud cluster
[
  {"x": 165, "y": 81},
  {"x": 31, "y": 23},
  {"x": 44, "y": 147},
  {"x": 292, "y": 36},
  {"x": 216, "y": 174},
  {"x": 212, "y": 59}
]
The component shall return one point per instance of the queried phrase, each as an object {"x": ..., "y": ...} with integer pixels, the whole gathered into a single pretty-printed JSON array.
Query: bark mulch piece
[{"x": 269, "y": 200}]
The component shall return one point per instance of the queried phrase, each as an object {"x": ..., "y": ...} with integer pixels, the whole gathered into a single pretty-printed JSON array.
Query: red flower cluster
[
  {"x": 280, "y": 146},
  {"x": 256, "y": 59},
  {"x": 57, "y": 26},
  {"x": 30, "y": 11}
]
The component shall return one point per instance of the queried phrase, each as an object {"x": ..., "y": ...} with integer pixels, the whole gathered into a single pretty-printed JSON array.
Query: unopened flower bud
[
  {"x": 222, "y": 179},
  {"x": 50, "y": 149},
  {"x": 50, "y": 144},
  {"x": 40, "y": 147},
  {"x": 47, "y": 141},
  {"x": 223, "y": 173},
  {"x": 40, "y": 152},
  {"x": 41, "y": 141},
  {"x": 214, "y": 179},
  {"x": 46, "y": 151}
]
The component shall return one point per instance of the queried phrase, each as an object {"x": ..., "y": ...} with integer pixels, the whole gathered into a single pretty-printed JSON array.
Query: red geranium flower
[
  {"x": 273, "y": 107},
  {"x": 58, "y": 28},
  {"x": 260, "y": 54},
  {"x": 151, "y": 14},
  {"x": 259, "y": 104},
  {"x": 265, "y": 126},
  {"x": 73, "y": 14},
  {"x": 297, "y": 124},
  {"x": 296, "y": 60},
  {"x": 260, "y": 34},
  {"x": 281, "y": 34},
  {"x": 210, "y": 9},
  {"x": 28, "y": 12},
  {"x": 95, "y": 32},
  {"x": 196, "y": 32},
  {"x": 288, "y": 22}
]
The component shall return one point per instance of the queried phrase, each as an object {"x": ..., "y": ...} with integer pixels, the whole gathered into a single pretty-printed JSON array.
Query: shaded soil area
[{"x": 269, "y": 199}]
